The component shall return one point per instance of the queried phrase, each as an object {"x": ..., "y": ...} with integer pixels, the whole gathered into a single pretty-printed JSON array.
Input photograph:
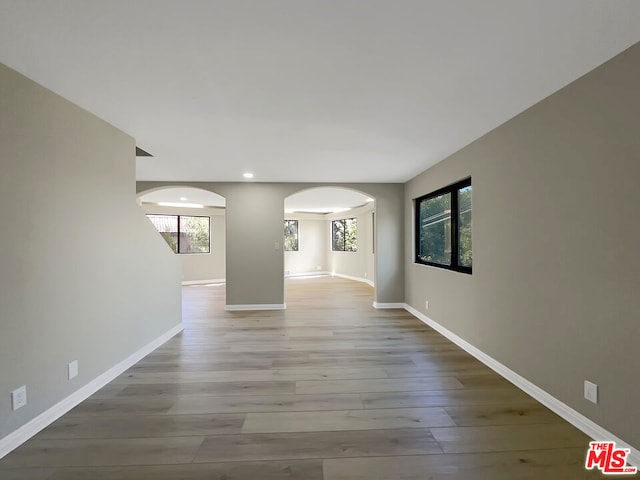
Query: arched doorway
[
  {"x": 329, "y": 230},
  {"x": 193, "y": 223}
]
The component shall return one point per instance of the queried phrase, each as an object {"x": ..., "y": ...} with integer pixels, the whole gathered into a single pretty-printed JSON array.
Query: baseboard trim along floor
[
  {"x": 389, "y": 305},
  {"x": 572, "y": 416},
  {"x": 204, "y": 282},
  {"x": 31, "y": 428},
  {"x": 357, "y": 279},
  {"x": 256, "y": 306}
]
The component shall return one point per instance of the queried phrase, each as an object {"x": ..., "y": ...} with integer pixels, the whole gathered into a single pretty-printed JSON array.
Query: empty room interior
[{"x": 319, "y": 240}]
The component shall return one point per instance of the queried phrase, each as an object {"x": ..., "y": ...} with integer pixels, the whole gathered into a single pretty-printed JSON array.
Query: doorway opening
[
  {"x": 329, "y": 232},
  {"x": 192, "y": 221}
]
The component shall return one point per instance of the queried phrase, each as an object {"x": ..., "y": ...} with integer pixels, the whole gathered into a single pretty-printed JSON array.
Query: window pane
[
  {"x": 194, "y": 234},
  {"x": 167, "y": 225},
  {"x": 435, "y": 230},
  {"x": 464, "y": 227},
  {"x": 350, "y": 235},
  {"x": 291, "y": 235},
  {"x": 337, "y": 235}
]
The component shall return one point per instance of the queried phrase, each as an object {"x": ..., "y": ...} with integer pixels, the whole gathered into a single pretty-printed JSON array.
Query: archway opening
[
  {"x": 192, "y": 222},
  {"x": 329, "y": 231}
]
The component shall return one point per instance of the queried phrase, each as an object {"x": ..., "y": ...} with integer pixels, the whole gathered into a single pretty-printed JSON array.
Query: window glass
[
  {"x": 291, "y": 235},
  {"x": 350, "y": 235},
  {"x": 167, "y": 225},
  {"x": 464, "y": 226},
  {"x": 344, "y": 235},
  {"x": 435, "y": 229},
  {"x": 337, "y": 239},
  {"x": 443, "y": 228},
  {"x": 194, "y": 234},
  {"x": 183, "y": 233}
]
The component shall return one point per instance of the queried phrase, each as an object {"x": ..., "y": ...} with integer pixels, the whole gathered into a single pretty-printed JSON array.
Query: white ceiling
[
  {"x": 313, "y": 200},
  {"x": 325, "y": 200},
  {"x": 184, "y": 195},
  {"x": 308, "y": 90}
]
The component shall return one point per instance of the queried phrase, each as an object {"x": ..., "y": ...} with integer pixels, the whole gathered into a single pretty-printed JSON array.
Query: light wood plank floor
[{"x": 329, "y": 389}]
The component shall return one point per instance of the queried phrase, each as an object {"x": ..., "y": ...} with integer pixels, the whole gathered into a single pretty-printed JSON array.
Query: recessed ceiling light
[
  {"x": 247, "y": 175},
  {"x": 184, "y": 199}
]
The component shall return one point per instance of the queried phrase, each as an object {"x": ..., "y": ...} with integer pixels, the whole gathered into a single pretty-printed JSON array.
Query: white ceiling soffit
[
  {"x": 184, "y": 196},
  {"x": 302, "y": 90},
  {"x": 325, "y": 200}
]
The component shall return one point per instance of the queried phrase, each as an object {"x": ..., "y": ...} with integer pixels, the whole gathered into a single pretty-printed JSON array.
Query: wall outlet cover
[
  {"x": 591, "y": 391},
  {"x": 19, "y": 397},
  {"x": 73, "y": 369}
]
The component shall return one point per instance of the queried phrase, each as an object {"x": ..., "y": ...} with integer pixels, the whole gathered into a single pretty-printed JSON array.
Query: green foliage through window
[
  {"x": 183, "y": 233},
  {"x": 443, "y": 227},
  {"x": 464, "y": 227},
  {"x": 344, "y": 235},
  {"x": 291, "y": 235}
]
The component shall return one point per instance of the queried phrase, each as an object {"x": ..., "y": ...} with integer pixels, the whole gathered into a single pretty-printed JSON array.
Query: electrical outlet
[
  {"x": 591, "y": 391},
  {"x": 318, "y": 267},
  {"x": 426, "y": 304},
  {"x": 73, "y": 369},
  {"x": 276, "y": 246},
  {"x": 19, "y": 397},
  {"x": 365, "y": 274}
]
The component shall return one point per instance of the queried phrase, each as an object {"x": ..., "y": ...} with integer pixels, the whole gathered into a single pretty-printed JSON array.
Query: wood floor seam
[{"x": 329, "y": 389}]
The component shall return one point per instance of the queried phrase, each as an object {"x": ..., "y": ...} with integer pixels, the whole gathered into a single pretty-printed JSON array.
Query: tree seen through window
[{"x": 344, "y": 235}]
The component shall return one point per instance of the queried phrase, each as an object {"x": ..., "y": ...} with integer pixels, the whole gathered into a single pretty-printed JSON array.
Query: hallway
[{"x": 330, "y": 389}]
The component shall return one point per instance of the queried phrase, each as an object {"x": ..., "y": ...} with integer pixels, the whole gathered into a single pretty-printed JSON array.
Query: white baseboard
[
  {"x": 572, "y": 416},
  {"x": 203, "y": 282},
  {"x": 29, "y": 429},
  {"x": 307, "y": 274},
  {"x": 389, "y": 305},
  {"x": 256, "y": 306},
  {"x": 357, "y": 279}
]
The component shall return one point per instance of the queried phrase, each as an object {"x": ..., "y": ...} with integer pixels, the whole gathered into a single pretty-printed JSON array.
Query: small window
[
  {"x": 183, "y": 233},
  {"x": 344, "y": 235},
  {"x": 291, "y": 235},
  {"x": 443, "y": 228}
]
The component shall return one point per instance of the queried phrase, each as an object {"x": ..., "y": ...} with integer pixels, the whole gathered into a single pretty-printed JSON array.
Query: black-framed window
[
  {"x": 443, "y": 228},
  {"x": 184, "y": 233},
  {"x": 344, "y": 235},
  {"x": 291, "y": 235}
]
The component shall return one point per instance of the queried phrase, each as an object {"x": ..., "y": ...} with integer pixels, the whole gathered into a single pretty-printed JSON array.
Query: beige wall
[
  {"x": 255, "y": 216},
  {"x": 312, "y": 245},
  {"x": 200, "y": 266},
  {"x": 84, "y": 275},
  {"x": 554, "y": 289},
  {"x": 358, "y": 264},
  {"x": 315, "y": 246}
]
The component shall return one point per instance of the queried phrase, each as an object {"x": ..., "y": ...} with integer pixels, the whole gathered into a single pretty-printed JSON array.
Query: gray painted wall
[
  {"x": 554, "y": 293},
  {"x": 255, "y": 216},
  {"x": 84, "y": 274}
]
